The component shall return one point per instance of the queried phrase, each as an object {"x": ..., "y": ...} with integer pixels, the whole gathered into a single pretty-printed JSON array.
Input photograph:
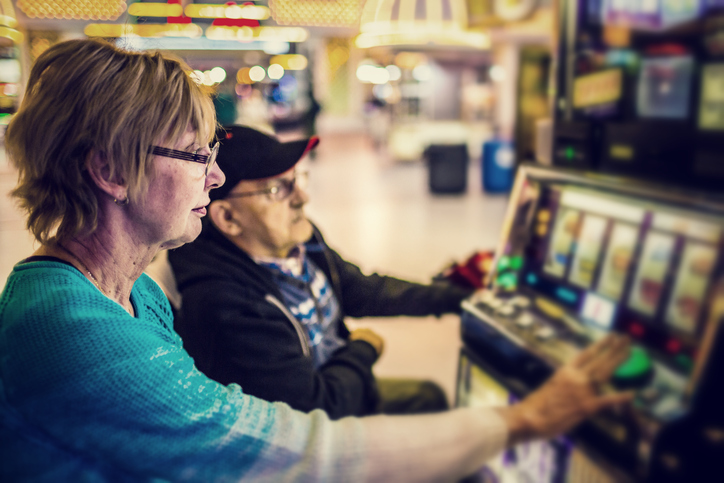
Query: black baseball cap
[{"x": 247, "y": 154}]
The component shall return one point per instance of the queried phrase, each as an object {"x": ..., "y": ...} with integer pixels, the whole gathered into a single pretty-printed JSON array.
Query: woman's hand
[{"x": 572, "y": 394}]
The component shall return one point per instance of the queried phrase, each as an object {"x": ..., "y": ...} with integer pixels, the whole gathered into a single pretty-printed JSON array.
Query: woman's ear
[
  {"x": 222, "y": 216},
  {"x": 100, "y": 172}
]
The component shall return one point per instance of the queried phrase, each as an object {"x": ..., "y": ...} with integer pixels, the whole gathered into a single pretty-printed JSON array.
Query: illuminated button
[
  {"x": 550, "y": 309},
  {"x": 545, "y": 333},
  {"x": 506, "y": 310},
  {"x": 507, "y": 281},
  {"x": 495, "y": 303},
  {"x": 566, "y": 295},
  {"x": 637, "y": 330},
  {"x": 673, "y": 346},
  {"x": 685, "y": 362},
  {"x": 525, "y": 320},
  {"x": 570, "y": 153},
  {"x": 636, "y": 371},
  {"x": 520, "y": 301}
]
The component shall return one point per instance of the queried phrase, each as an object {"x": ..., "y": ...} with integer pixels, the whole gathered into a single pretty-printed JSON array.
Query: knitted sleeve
[{"x": 118, "y": 395}]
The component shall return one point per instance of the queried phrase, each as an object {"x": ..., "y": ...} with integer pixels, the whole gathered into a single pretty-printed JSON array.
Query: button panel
[{"x": 558, "y": 340}]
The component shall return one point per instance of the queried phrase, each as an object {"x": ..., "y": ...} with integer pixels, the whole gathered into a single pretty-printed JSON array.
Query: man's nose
[{"x": 299, "y": 196}]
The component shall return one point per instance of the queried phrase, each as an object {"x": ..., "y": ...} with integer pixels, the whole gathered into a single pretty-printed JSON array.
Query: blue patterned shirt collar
[{"x": 293, "y": 265}]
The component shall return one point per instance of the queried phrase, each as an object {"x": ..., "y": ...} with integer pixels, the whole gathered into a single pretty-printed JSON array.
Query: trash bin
[
  {"x": 447, "y": 168},
  {"x": 498, "y": 166}
]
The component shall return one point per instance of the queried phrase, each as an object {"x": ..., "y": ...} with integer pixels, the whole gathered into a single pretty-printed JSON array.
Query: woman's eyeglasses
[
  {"x": 208, "y": 160},
  {"x": 280, "y": 190}
]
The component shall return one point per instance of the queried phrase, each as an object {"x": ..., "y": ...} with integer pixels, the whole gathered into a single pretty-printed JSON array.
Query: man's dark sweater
[{"x": 233, "y": 322}]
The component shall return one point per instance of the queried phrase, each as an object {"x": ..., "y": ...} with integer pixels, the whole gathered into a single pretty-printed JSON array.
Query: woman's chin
[{"x": 192, "y": 232}]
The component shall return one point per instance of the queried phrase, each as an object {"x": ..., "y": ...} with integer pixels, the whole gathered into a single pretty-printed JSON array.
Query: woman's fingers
[
  {"x": 601, "y": 369},
  {"x": 613, "y": 400},
  {"x": 592, "y": 355}
]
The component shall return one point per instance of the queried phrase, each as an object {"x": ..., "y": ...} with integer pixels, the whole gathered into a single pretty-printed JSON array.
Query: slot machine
[
  {"x": 584, "y": 254},
  {"x": 640, "y": 90},
  {"x": 625, "y": 233}
]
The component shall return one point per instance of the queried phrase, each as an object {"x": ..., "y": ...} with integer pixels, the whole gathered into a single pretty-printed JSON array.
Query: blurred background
[{"x": 426, "y": 109}]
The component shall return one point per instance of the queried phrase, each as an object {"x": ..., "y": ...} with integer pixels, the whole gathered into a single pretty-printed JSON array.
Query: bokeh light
[
  {"x": 275, "y": 71},
  {"x": 257, "y": 73}
]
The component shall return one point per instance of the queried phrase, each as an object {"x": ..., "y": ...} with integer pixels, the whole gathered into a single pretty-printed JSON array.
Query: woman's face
[{"x": 178, "y": 191}]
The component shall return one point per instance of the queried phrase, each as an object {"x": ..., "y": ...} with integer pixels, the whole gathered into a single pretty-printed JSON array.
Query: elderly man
[{"x": 264, "y": 298}]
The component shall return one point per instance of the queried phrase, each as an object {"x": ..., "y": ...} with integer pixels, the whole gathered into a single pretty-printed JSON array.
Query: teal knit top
[{"x": 91, "y": 393}]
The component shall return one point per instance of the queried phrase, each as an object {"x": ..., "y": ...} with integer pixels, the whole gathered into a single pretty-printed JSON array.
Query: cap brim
[{"x": 285, "y": 157}]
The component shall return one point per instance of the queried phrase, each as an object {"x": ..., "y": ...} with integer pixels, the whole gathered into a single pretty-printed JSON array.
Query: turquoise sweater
[{"x": 90, "y": 393}]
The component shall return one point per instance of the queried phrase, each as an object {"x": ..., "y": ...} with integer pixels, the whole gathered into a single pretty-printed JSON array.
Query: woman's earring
[{"x": 121, "y": 202}]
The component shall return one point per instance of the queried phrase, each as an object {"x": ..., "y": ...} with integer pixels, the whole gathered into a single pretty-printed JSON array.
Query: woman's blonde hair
[{"x": 88, "y": 97}]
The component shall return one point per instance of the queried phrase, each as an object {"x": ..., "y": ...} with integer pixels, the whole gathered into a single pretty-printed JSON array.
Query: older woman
[{"x": 114, "y": 164}]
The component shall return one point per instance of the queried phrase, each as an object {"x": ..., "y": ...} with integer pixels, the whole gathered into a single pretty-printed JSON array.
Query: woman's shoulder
[
  {"x": 53, "y": 305},
  {"x": 43, "y": 275},
  {"x": 47, "y": 290}
]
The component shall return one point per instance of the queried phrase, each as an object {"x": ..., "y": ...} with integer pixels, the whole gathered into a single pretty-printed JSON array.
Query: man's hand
[
  {"x": 369, "y": 336},
  {"x": 572, "y": 394}
]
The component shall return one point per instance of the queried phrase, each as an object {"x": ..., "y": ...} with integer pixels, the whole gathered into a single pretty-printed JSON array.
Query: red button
[
  {"x": 636, "y": 330},
  {"x": 673, "y": 346}
]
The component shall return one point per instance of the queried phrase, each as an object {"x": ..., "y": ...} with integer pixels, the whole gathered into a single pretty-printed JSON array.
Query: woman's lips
[{"x": 201, "y": 210}]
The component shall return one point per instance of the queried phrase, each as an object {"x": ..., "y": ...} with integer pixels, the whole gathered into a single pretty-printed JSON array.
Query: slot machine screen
[
  {"x": 664, "y": 87},
  {"x": 639, "y": 90},
  {"x": 617, "y": 260}
]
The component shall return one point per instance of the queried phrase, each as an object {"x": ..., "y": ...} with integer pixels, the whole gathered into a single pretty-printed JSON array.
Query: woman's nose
[{"x": 215, "y": 178}]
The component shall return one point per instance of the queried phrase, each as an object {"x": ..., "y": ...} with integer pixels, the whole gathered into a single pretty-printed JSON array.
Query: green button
[
  {"x": 503, "y": 264},
  {"x": 685, "y": 362},
  {"x": 508, "y": 281},
  {"x": 637, "y": 364}
]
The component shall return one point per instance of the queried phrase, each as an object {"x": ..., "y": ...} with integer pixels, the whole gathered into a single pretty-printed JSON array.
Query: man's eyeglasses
[
  {"x": 208, "y": 160},
  {"x": 280, "y": 190}
]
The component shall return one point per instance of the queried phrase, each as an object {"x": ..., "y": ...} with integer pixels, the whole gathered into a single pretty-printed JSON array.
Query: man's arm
[
  {"x": 248, "y": 341},
  {"x": 378, "y": 295}
]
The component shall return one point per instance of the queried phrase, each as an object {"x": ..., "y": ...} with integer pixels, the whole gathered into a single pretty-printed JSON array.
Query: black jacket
[{"x": 233, "y": 322}]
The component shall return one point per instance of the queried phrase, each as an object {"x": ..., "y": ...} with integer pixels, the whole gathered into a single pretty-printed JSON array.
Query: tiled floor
[{"x": 378, "y": 214}]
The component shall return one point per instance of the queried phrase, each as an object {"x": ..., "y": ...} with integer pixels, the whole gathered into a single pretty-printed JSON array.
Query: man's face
[{"x": 271, "y": 227}]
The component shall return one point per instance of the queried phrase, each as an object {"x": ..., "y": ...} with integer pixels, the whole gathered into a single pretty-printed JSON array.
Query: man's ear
[
  {"x": 222, "y": 216},
  {"x": 100, "y": 172}
]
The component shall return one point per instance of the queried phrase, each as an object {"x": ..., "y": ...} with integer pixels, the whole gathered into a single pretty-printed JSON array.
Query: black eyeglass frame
[
  {"x": 207, "y": 159},
  {"x": 288, "y": 184}
]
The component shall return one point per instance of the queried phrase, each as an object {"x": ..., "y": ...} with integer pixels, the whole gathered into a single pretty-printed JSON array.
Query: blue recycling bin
[{"x": 498, "y": 166}]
